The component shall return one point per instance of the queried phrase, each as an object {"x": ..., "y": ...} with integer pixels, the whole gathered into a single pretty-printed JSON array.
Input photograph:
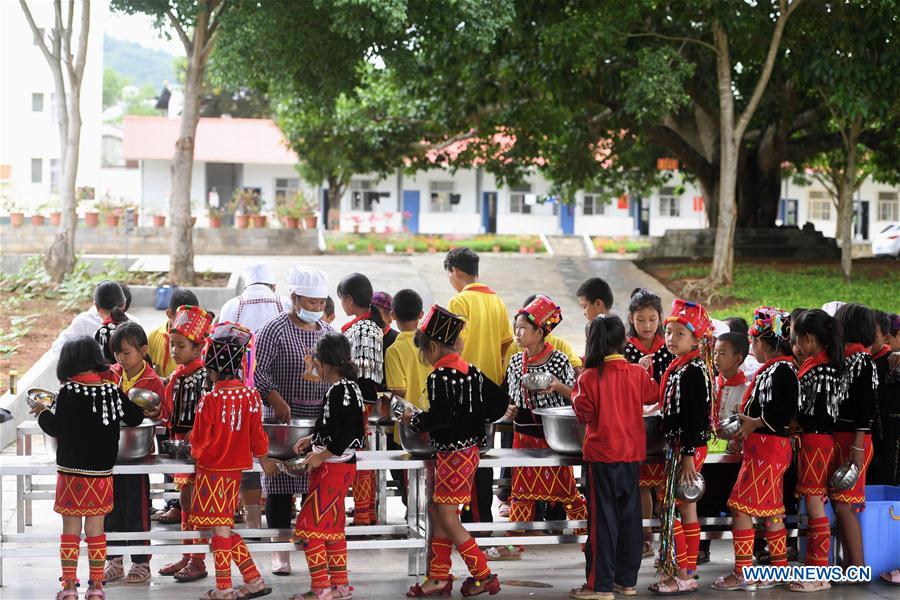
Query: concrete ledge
[
  {"x": 145, "y": 295},
  {"x": 775, "y": 242},
  {"x": 42, "y": 375}
]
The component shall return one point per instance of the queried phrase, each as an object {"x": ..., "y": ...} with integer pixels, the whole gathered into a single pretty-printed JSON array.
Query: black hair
[
  {"x": 422, "y": 339},
  {"x": 78, "y": 355},
  {"x": 827, "y": 331},
  {"x": 529, "y": 300},
  {"x": 595, "y": 289},
  {"x": 359, "y": 289},
  {"x": 777, "y": 341},
  {"x": 464, "y": 259},
  {"x": 737, "y": 325},
  {"x": 795, "y": 314},
  {"x": 882, "y": 321},
  {"x": 182, "y": 297},
  {"x": 108, "y": 295},
  {"x": 640, "y": 299},
  {"x": 329, "y": 306},
  {"x": 129, "y": 332},
  {"x": 606, "y": 335},
  {"x": 895, "y": 324},
  {"x": 858, "y": 324},
  {"x": 127, "y": 291},
  {"x": 407, "y": 305},
  {"x": 333, "y": 349},
  {"x": 738, "y": 341}
]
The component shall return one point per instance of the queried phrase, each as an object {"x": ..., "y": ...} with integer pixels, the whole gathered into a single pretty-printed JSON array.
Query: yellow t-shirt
[
  {"x": 558, "y": 343},
  {"x": 158, "y": 342},
  {"x": 404, "y": 371},
  {"x": 487, "y": 328}
]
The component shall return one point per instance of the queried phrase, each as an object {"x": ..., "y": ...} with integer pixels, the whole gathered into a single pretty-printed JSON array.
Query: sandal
[
  {"x": 217, "y": 594},
  {"x": 253, "y": 589},
  {"x": 503, "y": 511},
  {"x": 682, "y": 586},
  {"x": 113, "y": 571},
  {"x": 586, "y": 593},
  {"x": 476, "y": 587},
  {"x": 96, "y": 593},
  {"x": 172, "y": 568},
  {"x": 138, "y": 574},
  {"x": 416, "y": 591},
  {"x": 67, "y": 594},
  {"x": 314, "y": 594},
  {"x": 504, "y": 553},
  {"x": 193, "y": 571},
  {"x": 647, "y": 550},
  {"x": 740, "y": 584},
  {"x": 625, "y": 591},
  {"x": 170, "y": 517},
  {"x": 807, "y": 587},
  {"x": 342, "y": 592},
  {"x": 891, "y": 577}
]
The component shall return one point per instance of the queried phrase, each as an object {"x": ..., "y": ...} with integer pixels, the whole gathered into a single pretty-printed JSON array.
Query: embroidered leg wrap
[
  {"x": 337, "y": 562},
  {"x": 96, "y": 556},
  {"x": 520, "y": 511},
  {"x": 576, "y": 510},
  {"x": 818, "y": 542},
  {"x": 241, "y": 557},
  {"x": 743, "y": 549},
  {"x": 692, "y": 542},
  {"x": 364, "y": 498},
  {"x": 68, "y": 557},
  {"x": 317, "y": 560},
  {"x": 778, "y": 546},
  {"x": 221, "y": 551},
  {"x": 474, "y": 559},
  {"x": 439, "y": 567},
  {"x": 680, "y": 545}
]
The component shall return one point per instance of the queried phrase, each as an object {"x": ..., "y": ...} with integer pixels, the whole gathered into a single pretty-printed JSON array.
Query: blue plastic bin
[{"x": 880, "y": 524}]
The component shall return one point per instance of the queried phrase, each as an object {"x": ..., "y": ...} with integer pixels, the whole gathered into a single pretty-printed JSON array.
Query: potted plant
[
  {"x": 288, "y": 211},
  {"x": 16, "y": 215},
  {"x": 246, "y": 203},
  {"x": 92, "y": 218},
  {"x": 159, "y": 220},
  {"x": 215, "y": 217},
  {"x": 109, "y": 210},
  {"x": 259, "y": 221},
  {"x": 306, "y": 211}
]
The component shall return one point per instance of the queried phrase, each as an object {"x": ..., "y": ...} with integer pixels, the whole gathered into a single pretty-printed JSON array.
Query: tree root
[{"x": 703, "y": 290}]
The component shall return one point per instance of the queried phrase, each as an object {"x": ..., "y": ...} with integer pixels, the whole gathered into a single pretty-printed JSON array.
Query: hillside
[{"x": 139, "y": 64}]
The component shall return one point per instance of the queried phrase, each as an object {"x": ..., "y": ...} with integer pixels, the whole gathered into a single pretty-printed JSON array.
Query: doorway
[{"x": 489, "y": 212}]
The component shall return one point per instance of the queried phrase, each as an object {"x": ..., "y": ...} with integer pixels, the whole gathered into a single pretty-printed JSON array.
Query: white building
[{"x": 30, "y": 167}]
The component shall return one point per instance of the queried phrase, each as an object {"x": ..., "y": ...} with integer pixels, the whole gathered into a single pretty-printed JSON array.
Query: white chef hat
[
  {"x": 832, "y": 307},
  {"x": 259, "y": 273},
  {"x": 307, "y": 282},
  {"x": 720, "y": 327}
]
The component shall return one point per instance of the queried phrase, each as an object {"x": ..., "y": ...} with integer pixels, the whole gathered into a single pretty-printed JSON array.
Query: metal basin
[
  {"x": 537, "y": 381},
  {"x": 563, "y": 432},
  {"x": 283, "y": 436},
  {"x": 656, "y": 443},
  {"x": 148, "y": 401},
  {"x": 691, "y": 492},
  {"x": 38, "y": 396},
  {"x": 177, "y": 449},
  {"x": 135, "y": 443},
  {"x": 728, "y": 427},
  {"x": 419, "y": 444},
  {"x": 845, "y": 477}
]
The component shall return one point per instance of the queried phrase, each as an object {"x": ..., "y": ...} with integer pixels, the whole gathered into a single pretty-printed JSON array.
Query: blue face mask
[{"x": 308, "y": 316}]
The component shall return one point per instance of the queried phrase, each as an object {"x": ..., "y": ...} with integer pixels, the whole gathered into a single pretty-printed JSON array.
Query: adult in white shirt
[{"x": 86, "y": 323}]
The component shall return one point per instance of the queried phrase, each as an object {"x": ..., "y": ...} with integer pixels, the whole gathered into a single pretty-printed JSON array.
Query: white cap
[
  {"x": 720, "y": 327},
  {"x": 307, "y": 282},
  {"x": 259, "y": 273},
  {"x": 832, "y": 307}
]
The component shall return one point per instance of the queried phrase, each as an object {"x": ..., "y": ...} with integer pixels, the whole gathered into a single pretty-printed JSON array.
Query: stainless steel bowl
[
  {"x": 562, "y": 430},
  {"x": 845, "y": 477},
  {"x": 177, "y": 449},
  {"x": 656, "y": 442},
  {"x": 293, "y": 467},
  {"x": 283, "y": 436},
  {"x": 537, "y": 381},
  {"x": 36, "y": 396},
  {"x": 148, "y": 401},
  {"x": 419, "y": 444},
  {"x": 691, "y": 492},
  {"x": 728, "y": 427},
  {"x": 135, "y": 443}
]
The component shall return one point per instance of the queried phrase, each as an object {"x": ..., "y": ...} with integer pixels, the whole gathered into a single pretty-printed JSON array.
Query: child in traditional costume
[
  {"x": 852, "y": 427},
  {"x": 85, "y": 420},
  {"x": 608, "y": 398},
  {"x": 687, "y": 399},
  {"x": 187, "y": 385},
  {"x": 109, "y": 298},
  {"x": 530, "y": 484},
  {"x": 768, "y": 408},
  {"x": 819, "y": 336},
  {"x": 338, "y": 434},
  {"x": 226, "y": 436},
  {"x": 461, "y": 400},
  {"x": 366, "y": 335}
]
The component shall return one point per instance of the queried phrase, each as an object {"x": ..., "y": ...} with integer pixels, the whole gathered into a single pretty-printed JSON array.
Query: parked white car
[{"x": 887, "y": 242}]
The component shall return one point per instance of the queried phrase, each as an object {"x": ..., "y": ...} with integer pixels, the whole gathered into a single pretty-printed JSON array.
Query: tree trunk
[
  {"x": 759, "y": 187},
  {"x": 845, "y": 199},
  {"x": 710, "y": 191}
]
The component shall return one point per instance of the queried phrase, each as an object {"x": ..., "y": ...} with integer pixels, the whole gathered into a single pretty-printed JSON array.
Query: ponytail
[
  {"x": 828, "y": 332},
  {"x": 117, "y": 314},
  {"x": 605, "y": 336},
  {"x": 109, "y": 296},
  {"x": 376, "y": 316}
]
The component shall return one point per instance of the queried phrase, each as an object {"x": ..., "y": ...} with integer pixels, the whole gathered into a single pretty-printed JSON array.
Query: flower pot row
[{"x": 17, "y": 219}]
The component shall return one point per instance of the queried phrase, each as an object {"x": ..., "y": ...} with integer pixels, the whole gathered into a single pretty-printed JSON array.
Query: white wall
[
  {"x": 463, "y": 218},
  {"x": 156, "y": 186},
  {"x": 264, "y": 176},
  {"x": 120, "y": 182},
  {"x": 869, "y": 192}
]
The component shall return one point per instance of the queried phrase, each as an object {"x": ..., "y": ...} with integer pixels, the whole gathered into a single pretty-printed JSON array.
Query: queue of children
[{"x": 459, "y": 368}]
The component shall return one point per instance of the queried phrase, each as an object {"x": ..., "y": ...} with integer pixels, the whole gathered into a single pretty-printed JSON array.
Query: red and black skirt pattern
[
  {"x": 215, "y": 498},
  {"x": 759, "y": 490},
  {"x": 322, "y": 516},
  {"x": 855, "y": 496},
  {"x": 554, "y": 484},
  {"x": 454, "y": 476},
  {"x": 80, "y": 496},
  {"x": 815, "y": 464},
  {"x": 653, "y": 475}
]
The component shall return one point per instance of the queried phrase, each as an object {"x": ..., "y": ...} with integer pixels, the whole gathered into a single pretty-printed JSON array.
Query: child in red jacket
[{"x": 609, "y": 397}]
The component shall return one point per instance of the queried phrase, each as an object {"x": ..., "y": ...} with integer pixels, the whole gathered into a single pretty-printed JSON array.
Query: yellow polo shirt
[
  {"x": 558, "y": 343},
  {"x": 158, "y": 349},
  {"x": 487, "y": 328},
  {"x": 404, "y": 371}
]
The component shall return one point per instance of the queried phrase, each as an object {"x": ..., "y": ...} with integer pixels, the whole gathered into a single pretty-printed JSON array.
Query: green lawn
[{"x": 790, "y": 285}]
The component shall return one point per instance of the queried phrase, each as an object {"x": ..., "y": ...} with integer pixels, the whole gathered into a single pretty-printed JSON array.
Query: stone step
[{"x": 567, "y": 245}]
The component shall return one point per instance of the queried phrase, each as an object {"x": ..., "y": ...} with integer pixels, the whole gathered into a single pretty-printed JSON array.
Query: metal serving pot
[
  {"x": 845, "y": 477},
  {"x": 728, "y": 427},
  {"x": 135, "y": 443},
  {"x": 177, "y": 449},
  {"x": 283, "y": 436},
  {"x": 419, "y": 444},
  {"x": 563, "y": 432},
  {"x": 691, "y": 492}
]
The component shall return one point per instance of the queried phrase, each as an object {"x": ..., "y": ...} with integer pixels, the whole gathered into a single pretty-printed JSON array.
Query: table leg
[
  {"x": 20, "y": 486},
  {"x": 381, "y": 481},
  {"x": 28, "y": 439}
]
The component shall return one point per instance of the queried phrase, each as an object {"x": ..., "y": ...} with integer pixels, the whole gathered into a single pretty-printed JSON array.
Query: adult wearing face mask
[{"x": 288, "y": 386}]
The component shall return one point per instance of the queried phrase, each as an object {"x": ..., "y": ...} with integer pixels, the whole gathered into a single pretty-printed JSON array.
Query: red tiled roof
[{"x": 226, "y": 140}]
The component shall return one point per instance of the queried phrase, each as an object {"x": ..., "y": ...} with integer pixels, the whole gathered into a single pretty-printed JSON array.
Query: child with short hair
[
  {"x": 187, "y": 386},
  {"x": 85, "y": 420},
  {"x": 383, "y": 302},
  {"x": 339, "y": 432},
  {"x": 595, "y": 298},
  {"x": 158, "y": 339},
  {"x": 731, "y": 350},
  {"x": 461, "y": 400},
  {"x": 131, "y": 493},
  {"x": 329, "y": 315},
  {"x": 608, "y": 398},
  {"x": 226, "y": 437}
]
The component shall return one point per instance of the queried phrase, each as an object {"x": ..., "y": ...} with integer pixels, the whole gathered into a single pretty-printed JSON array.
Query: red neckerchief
[
  {"x": 478, "y": 287},
  {"x": 225, "y": 384},
  {"x": 537, "y": 358},
  {"x": 454, "y": 361},
  {"x": 186, "y": 369},
  {"x": 763, "y": 367},
  {"x": 362, "y": 317},
  {"x": 676, "y": 364},
  {"x": 87, "y": 378},
  {"x": 722, "y": 383},
  {"x": 884, "y": 350},
  {"x": 854, "y": 348},
  {"x": 658, "y": 342},
  {"x": 813, "y": 361},
  {"x": 107, "y": 321}
]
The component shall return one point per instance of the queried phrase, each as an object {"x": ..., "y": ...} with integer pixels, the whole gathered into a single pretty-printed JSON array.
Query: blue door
[
  {"x": 566, "y": 217},
  {"x": 411, "y": 209}
]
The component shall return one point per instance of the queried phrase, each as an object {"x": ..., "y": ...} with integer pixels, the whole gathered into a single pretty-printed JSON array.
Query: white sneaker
[{"x": 281, "y": 563}]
